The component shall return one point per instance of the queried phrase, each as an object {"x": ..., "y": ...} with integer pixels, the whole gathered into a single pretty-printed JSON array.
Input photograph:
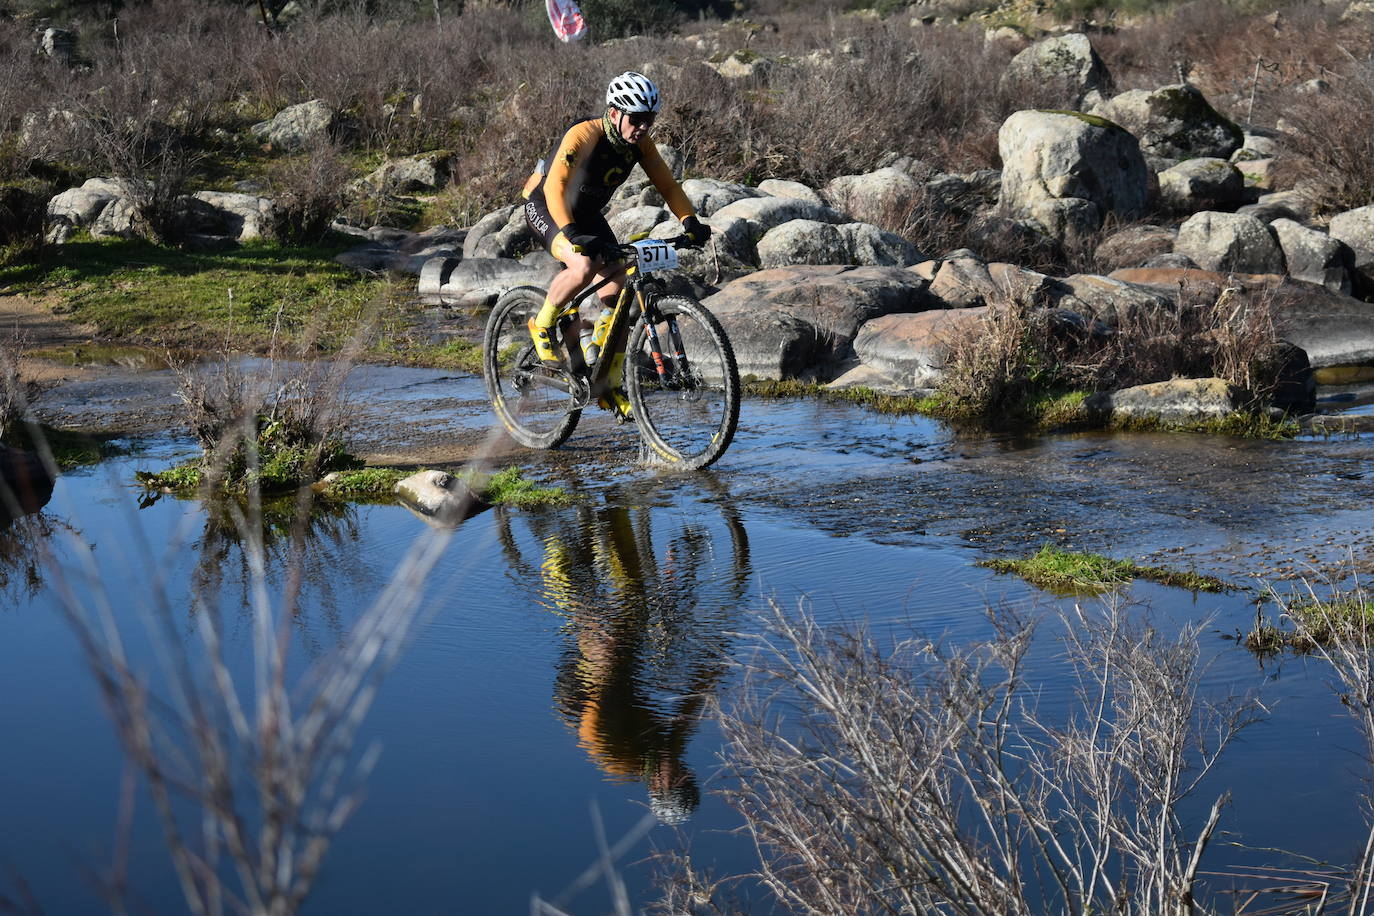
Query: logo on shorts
[{"x": 536, "y": 219}]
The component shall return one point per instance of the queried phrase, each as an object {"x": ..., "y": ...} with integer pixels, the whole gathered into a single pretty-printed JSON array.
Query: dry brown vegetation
[{"x": 169, "y": 92}]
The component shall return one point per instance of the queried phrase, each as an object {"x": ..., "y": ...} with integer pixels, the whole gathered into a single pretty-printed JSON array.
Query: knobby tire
[
  {"x": 689, "y": 421},
  {"x": 535, "y": 415}
]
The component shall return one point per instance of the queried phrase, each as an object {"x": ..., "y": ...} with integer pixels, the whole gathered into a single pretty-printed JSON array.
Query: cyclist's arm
[
  {"x": 663, "y": 179},
  {"x": 569, "y": 161}
]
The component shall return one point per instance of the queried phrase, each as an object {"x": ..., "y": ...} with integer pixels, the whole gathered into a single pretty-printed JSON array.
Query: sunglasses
[{"x": 641, "y": 118}]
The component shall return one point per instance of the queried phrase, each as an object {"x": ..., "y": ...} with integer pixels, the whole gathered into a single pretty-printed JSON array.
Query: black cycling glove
[
  {"x": 695, "y": 230},
  {"x": 592, "y": 246}
]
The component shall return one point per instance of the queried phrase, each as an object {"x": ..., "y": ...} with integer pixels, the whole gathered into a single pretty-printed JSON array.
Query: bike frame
[{"x": 640, "y": 291}]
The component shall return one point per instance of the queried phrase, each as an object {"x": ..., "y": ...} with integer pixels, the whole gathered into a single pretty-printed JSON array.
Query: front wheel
[
  {"x": 685, "y": 401},
  {"x": 536, "y": 404}
]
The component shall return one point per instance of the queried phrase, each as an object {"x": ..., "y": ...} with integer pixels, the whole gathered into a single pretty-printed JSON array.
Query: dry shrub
[
  {"x": 310, "y": 190},
  {"x": 14, "y": 392},
  {"x": 1021, "y": 350},
  {"x": 1332, "y": 147},
  {"x": 925, "y": 779},
  {"x": 273, "y": 427}
]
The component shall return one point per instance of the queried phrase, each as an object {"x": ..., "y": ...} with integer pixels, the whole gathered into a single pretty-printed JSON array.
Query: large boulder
[
  {"x": 239, "y": 216},
  {"x": 1069, "y": 170},
  {"x": 1066, "y": 63},
  {"x": 424, "y": 172},
  {"x": 1133, "y": 246},
  {"x": 802, "y": 241},
  {"x": 1174, "y": 123},
  {"x": 1356, "y": 229},
  {"x": 777, "y": 187},
  {"x": 630, "y": 223},
  {"x": 298, "y": 126},
  {"x": 911, "y": 349},
  {"x": 760, "y": 214},
  {"x": 708, "y": 195},
  {"x": 1230, "y": 242},
  {"x": 800, "y": 322},
  {"x": 875, "y": 197},
  {"x": 1201, "y": 184},
  {"x": 480, "y": 281},
  {"x": 1313, "y": 256},
  {"x": 962, "y": 283},
  {"x": 78, "y": 207},
  {"x": 503, "y": 233}
]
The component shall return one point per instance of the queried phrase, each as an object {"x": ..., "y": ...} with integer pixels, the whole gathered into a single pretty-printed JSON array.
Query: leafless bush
[
  {"x": 1020, "y": 349},
  {"x": 15, "y": 393},
  {"x": 269, "y": 428},
  {"x": 267, "y": 764},
  {"x": 926, "y": 780},
  {"x": 1331, "y": 155},
  {"x": 310, "y": 191}
]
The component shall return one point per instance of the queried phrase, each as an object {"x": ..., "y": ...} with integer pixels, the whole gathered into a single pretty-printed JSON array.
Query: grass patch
[
  {"x": 861, "y": 395},
  {"x": 1343, "y": 616},
  {"x": 144, "y": 292},
  {"x": 1058, "y": 570},
  {"x": 509, "y": 487},
  {"x": 1241, "y": 424},
  {"x": 463, "y": 355},
  {"x": 364, "y": 484}
]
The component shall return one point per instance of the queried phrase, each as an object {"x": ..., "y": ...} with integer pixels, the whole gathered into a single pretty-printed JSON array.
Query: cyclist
[{"x": 567, "y": 192}]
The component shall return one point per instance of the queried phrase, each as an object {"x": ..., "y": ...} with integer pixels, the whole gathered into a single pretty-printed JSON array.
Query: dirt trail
[{"x": 37, "y": 327}]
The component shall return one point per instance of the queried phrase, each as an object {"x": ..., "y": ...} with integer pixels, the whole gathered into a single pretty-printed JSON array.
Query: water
[{"x": 559, "y": 673}]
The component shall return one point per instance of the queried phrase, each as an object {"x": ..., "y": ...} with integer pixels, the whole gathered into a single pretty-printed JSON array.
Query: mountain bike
[{"x": 678, "y": 368}]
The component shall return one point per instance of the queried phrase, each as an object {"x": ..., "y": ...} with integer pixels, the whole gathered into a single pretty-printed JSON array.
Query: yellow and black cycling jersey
[{"x": 586, "y": 167}]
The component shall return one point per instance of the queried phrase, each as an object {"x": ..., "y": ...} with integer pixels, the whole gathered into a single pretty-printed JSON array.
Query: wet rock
[
  {"x": 1175, "y": 401},
  {"x": 776, "y": 187},
  {"x": 1313, "y": 256},
  {"x": 298, "y": 126},
  {"x": 1174, "y": 122},
  {"x": 1230, "y": 241},
  {"x": 1201, "y": 184},
  {"x": 440, "y": 497},
  {"x": 1133, "y": 246},
  {"x": 1066, "y": 63},
  {"x": 874, "y": 197},
  {"x": 912, "y": 349},
  {"x": 1356, "y": 229},
  {"x": 1068, "y": 171},
  {"x": 25, "y": 484},
  {"x": 800, "y": 322},
  {"x": 708, "y": 195}
]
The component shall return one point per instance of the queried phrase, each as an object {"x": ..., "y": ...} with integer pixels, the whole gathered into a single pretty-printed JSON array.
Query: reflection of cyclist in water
[{"x": 646, "y": 620}]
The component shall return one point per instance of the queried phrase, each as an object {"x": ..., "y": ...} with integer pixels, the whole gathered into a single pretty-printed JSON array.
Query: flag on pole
[{"x": 567, "y": 20}]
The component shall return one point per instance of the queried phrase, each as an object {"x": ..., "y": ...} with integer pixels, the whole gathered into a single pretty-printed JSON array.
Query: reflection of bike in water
[{"x": 648, "y": 596}]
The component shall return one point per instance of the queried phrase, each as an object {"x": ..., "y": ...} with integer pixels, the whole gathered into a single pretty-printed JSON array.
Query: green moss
[
  {"x": 862, "y": 395},
  {"x": 1241, "y": 424},
  {"x": 1072, "y": 572},
  {"x": 1094, "y": 120}
]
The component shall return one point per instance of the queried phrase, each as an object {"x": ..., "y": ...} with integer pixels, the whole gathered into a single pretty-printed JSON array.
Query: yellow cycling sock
[{"x": 547, "y": 314}]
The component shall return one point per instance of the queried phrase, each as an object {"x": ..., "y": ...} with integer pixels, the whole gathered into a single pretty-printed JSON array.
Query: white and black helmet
[{"x": 632, "y": 92}]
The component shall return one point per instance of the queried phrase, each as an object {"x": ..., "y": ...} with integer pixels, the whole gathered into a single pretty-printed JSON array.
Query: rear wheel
[
  {"x": 536, "y": 405},
  {"x": 688, "y": 410}
]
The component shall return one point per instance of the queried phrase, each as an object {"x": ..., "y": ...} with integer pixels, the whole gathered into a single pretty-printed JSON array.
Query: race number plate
[{"x": 655, "y": 255}]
